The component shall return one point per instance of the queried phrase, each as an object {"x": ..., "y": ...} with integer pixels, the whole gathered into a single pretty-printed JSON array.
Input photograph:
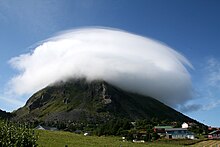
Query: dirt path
[{"x": 208, "y": 143}]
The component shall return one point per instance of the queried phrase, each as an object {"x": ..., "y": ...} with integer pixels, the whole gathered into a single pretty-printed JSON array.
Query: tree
[{"x": 155, "y": 136}]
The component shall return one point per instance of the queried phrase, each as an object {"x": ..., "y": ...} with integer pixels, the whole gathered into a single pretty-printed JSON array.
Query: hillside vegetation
[
  {"x": 96, "y": 101},
  {"x": 5, "y": 115}
]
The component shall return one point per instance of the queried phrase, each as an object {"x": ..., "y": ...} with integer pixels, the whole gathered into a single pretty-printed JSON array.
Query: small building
[
  {"x": 214, "y": 134},
  {"x": 87, "y": 133},
  {"x": 140, "y": 136},
  {"x": 78, "y": 131},
  {"x": 39, "y": 127},
  {"x": 179, "y": 133},
  {"x": 160, "y": 130},
  {"x": 213, "y": 129},
  {"x": 185, "y": 125}
]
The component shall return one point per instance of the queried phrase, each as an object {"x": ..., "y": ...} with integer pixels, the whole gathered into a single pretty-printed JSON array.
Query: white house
[
  {"x": 179, "y": 133},
  {"x": 185, "y": 125},
  {"x": 39, "y": 127}
]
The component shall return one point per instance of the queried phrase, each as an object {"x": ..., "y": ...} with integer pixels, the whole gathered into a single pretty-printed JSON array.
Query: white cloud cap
[{"x": 129, "y": 61}]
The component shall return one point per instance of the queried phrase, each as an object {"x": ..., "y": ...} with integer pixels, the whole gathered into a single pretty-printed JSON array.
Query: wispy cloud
[
  {"x": 9, "y": 102},
  {"x": 207, "y": 89},
  {"x": 208, "y": 105},
  {"x": 211, "y": 105},
  {"x": 12, "y": 100},
  {"x": 190, "y": 108},
  {"x": 213, "y": 72}
]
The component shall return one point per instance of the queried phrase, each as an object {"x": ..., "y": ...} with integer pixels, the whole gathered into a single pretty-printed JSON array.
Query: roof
[
  {"x": 213, "y": 132},
  {"x": 39, "y": 127},
  {"x": 142, "y": 132},
  {"x": 163, "y": 127},
  {"x": 78, "y": 131},
  {"x": 176, "y": 129}
]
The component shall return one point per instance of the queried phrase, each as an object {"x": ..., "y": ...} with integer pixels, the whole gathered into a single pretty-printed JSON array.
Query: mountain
[
  {"x": 5, "y": 115},
  {"x": 79, "y": 100}
]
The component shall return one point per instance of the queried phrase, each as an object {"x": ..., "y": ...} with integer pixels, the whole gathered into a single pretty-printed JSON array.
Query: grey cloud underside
[
  {"x": 131, "y": 62},
  {"x": 191, "y": 108}
]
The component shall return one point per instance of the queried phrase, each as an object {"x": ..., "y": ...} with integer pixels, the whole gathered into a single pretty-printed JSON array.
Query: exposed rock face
[
  {"x": 79, "y": 100},
  {"x": 106, "y": 98}
]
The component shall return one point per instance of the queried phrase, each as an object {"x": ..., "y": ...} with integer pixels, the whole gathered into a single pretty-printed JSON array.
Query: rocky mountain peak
[{"x": 78, "y": 99}]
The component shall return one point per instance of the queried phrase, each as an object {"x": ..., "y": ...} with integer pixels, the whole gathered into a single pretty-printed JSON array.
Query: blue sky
[{"x": 189, "y": 26}]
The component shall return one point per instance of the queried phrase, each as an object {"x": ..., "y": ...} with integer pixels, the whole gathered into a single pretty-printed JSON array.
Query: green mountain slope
[
  {"x": 78, "y": 100},
  {"x": 5, "y": 115}
]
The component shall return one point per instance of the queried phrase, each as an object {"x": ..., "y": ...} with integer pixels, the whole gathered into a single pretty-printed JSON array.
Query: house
[
  {"x": 179, "y": 133},
  {"x": 141, "y": 136},
  {"x": 87, "y": 133},
  {"x": 78, "y": 131},
  {"x": 185, "y": 125},
  {"x": 160, "y": 130},
  {"x": 214, "y": 134},
  {"x": 212, "y": 129},
  {"x": 39, "y": 127}
]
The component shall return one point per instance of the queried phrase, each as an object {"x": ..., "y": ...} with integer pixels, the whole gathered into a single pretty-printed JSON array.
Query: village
[{"x": 187, "y": 131}]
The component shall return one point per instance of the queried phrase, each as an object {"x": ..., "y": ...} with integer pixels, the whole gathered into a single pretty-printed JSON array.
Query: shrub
[{"x": 18, "y": 135}]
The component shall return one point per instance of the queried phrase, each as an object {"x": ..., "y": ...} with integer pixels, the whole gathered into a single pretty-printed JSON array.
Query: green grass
[{"x": 60, "y": 139}]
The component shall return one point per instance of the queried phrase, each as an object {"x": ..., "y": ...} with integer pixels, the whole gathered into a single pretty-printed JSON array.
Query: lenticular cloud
[{"x": 131, "y": 62}]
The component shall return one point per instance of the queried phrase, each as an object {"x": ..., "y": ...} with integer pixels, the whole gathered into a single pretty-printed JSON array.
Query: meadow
[
  {"x": 67, "y": 139},
  {"x": 62, "y": 139}
]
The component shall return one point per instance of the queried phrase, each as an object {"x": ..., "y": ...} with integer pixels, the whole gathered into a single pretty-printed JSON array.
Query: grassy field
[{"x": 60, "y": 139}]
